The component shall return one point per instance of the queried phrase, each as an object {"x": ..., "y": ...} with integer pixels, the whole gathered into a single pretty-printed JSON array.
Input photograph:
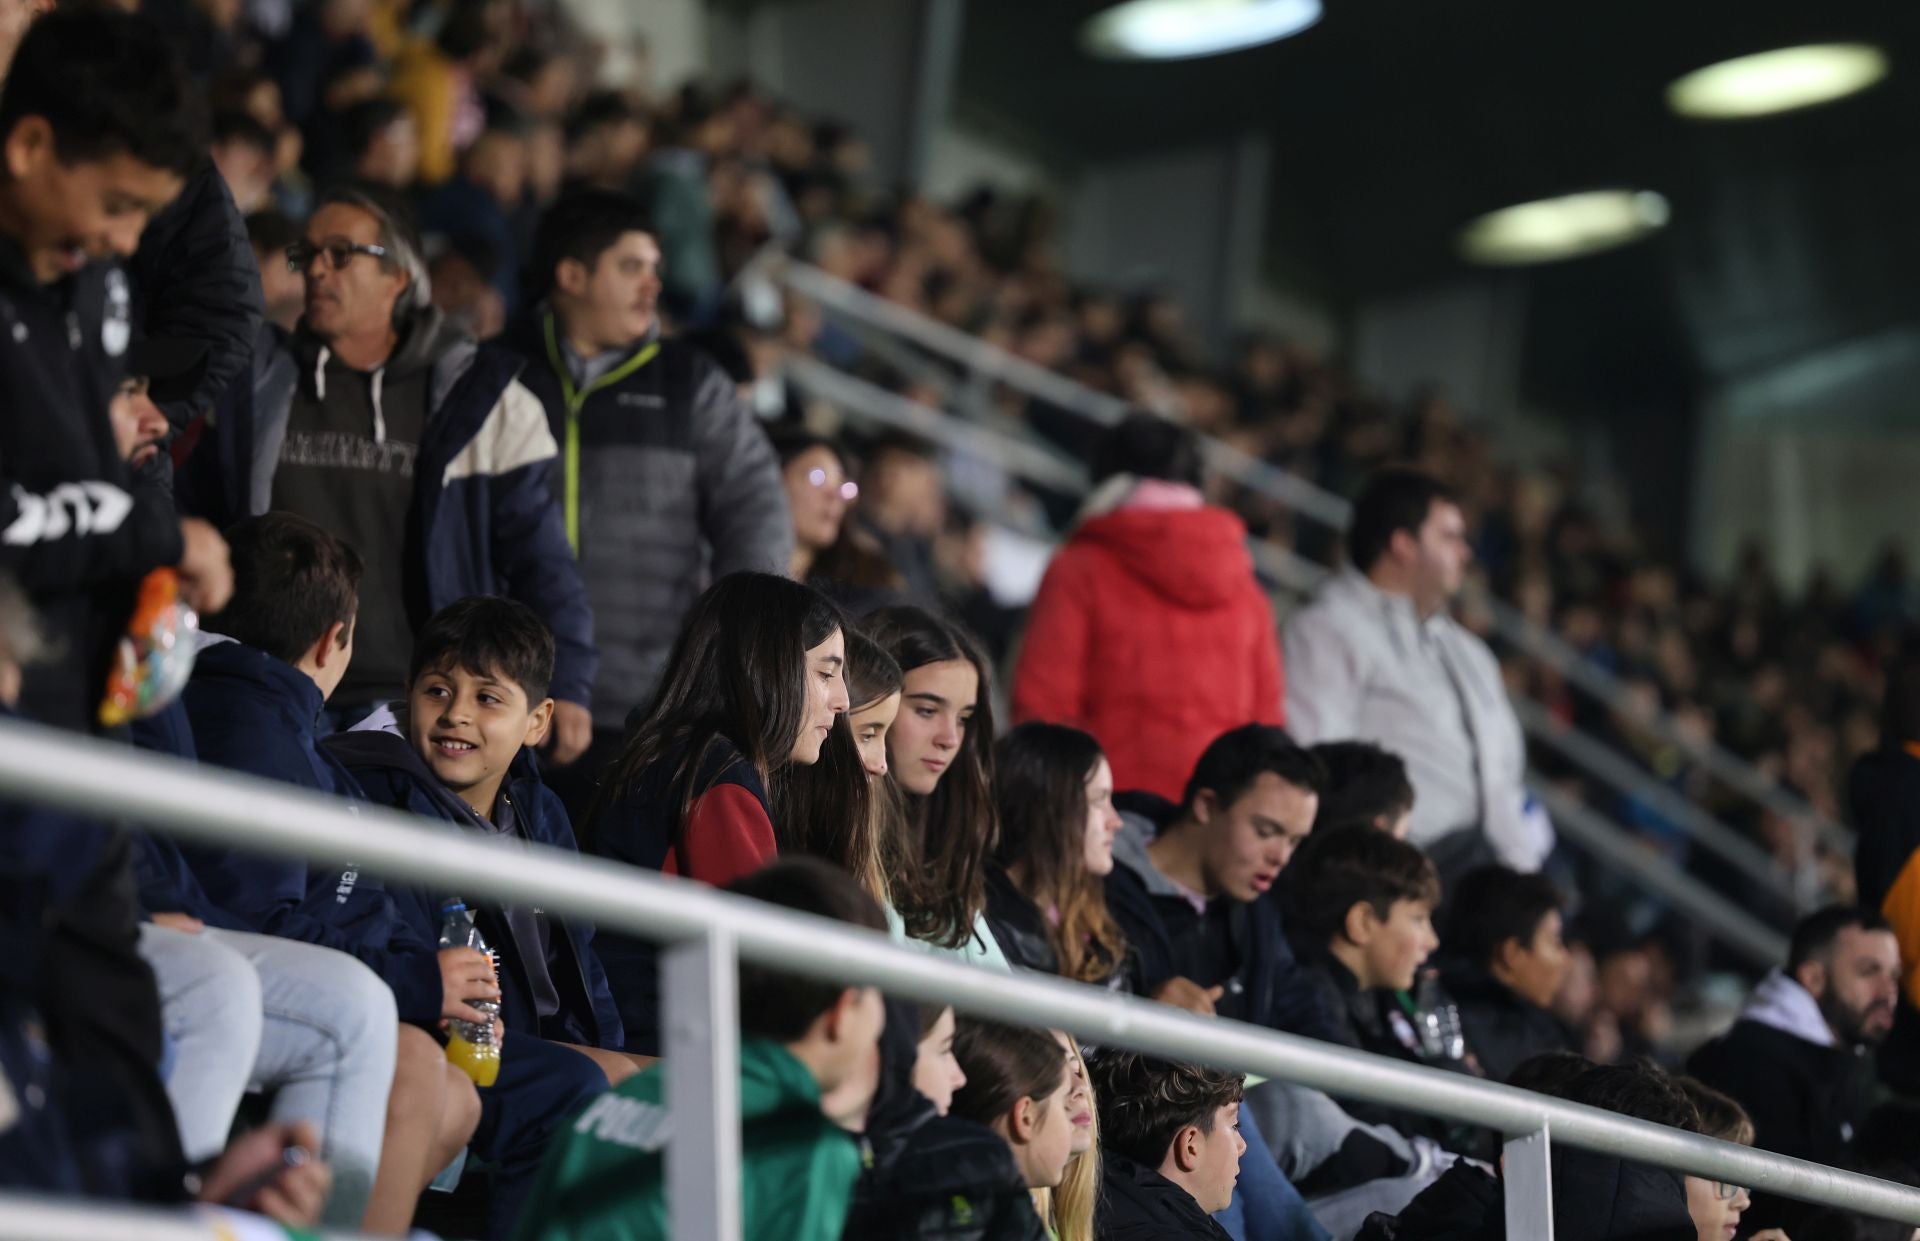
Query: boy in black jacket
[{"x": 1170, "y": 1146}]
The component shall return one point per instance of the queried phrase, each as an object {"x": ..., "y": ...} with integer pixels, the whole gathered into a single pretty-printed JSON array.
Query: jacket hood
[
  {"x": 230, "y": 664},
  {"x": 1195, "y": 558},
  {"x": 1785, "y": 1005},
  {"x": 427, "y": 337},
  {"x": 898, "y": 1110},
  {"x": 1130, "y": 851}
]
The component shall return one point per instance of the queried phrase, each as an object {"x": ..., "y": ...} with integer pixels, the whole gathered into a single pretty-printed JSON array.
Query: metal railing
[
  {"x": 985, "y": 361},
  {"x": 867, "y": 403},
  {"x": 707, "y": 932}
]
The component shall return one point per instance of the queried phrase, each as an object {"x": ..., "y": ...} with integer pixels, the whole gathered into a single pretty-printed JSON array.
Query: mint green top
[{"x": 983, "y": 949}]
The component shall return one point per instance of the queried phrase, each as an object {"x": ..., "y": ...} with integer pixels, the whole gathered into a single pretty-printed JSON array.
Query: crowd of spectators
[{"x": 413, "y": 366}]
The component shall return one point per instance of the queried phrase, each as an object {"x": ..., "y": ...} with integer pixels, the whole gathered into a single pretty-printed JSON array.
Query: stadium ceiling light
[
  {"x": 1777, "y": 81},
  {"x": 1179, "y": 29},
  {"x": 1563, "y": 228}
]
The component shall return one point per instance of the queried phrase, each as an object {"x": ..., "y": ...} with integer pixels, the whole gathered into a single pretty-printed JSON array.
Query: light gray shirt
[{"x": 1362, "y": 665}]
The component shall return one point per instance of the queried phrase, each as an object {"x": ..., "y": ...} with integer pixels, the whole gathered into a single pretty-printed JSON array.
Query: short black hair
[
  {"x": 1548, "y": 1072},
  {"x": 361, "y": 123},
  {"x": 1641, "y": 1091},
  {"x": 292, "y": 579},
  {"x": 1148, "y": 446},
  {"x": 271, "y": 231},
  {"x": 1814, "y": 934},
  {"x": 1334, "y": 871},
  {"x": 107, "y": 83},
  {"x": 1396, "y": 499},
  {"x": 583, "y": 225},
  {"x": 238, "y": 126},
  {"x": 1365, "y": 784},
  {"x": 490, "y": 636},
  {"x": 777, "y": 1004},
  {"x": 1239, "y": 757},
  {"x": 1494, "y": 904},
  {"x": 1145, "y": 1102}
]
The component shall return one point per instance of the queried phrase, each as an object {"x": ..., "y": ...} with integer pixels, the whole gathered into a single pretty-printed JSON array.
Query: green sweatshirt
[{"x": 604, "y": 1175}]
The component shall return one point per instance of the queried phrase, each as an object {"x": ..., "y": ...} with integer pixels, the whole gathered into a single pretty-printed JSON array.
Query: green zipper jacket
[{"x": 605, "y": 1173}]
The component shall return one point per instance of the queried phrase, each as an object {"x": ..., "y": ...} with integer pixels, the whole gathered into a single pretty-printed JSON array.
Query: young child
[
  {"x": 459, "y": 750},
  {"x": 809, "y": 1070},
  {"x": 1171, "y": 1146}
]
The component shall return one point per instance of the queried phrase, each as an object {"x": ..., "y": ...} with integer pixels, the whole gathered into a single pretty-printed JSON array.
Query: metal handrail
[
  {"x": 871, "y": 403},
  {"x": 1302, "y": 495},
  {"x": 98, "y": 779}
]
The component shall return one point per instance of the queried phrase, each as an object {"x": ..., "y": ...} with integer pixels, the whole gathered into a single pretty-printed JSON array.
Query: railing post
[
  {"x": 700, "y": 991},
  {"x": 1527, "y": 1170}
]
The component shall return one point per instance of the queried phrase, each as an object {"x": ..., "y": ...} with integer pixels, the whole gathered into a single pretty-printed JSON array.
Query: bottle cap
[{"x": 453, "y": 907}]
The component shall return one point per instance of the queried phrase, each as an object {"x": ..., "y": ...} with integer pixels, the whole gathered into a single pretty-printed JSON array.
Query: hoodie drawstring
[
  {"x": 320, "y": 373},
  {"x": 379, "y": 416}
]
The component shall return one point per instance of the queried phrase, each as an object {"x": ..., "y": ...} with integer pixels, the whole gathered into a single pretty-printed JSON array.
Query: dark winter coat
[{"x": 1138, "y": 1204}]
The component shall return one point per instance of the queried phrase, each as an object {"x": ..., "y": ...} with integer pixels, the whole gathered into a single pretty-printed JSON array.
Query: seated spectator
[
  {"x": 1360, "y": 905},
  {"x": 81, "y": 1036},
  {"x": 1716, "y": 1206},
  {"x": 655, "y": 506},
  {"x": 1376, "y": 656},
  {"x": 809, "y": 1069},
  {"x": 244, "y": 151},
  {"x": 1046, "y": 902},
  {"x": 457, "y": 752},
  {"x": 1172, "y": 1146},
  {"x": 1504, "y": 966},
  {"x": 270, "y": 233},
  {"x": 1150, "y": 630},
  {"x": 754, "y": 686},
  {"x": 1366, "y": 787},
  {"x": 941, "y": 779},
  {"x": 873, "y": 693},
  {"x": 395, "y": 418},
  {"x": 1795, "y": 1059},
  {"x": 475, "y": 207},
  {"x": 902, "y": 510},
  {"x": 933, "y": 1175},
  {"x": 1018, "y": 1086},
  {"x": 1069, "y": 1211},
  {"x": 1595, "y": 1197},
  {"x": 830, "y": 553},
  {"x": 1192, "y": 900},
  {"x": 378, "y": 144}
]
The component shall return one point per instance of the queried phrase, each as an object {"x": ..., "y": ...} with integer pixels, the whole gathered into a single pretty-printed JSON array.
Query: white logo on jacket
[{"x": 80, "y": 508}]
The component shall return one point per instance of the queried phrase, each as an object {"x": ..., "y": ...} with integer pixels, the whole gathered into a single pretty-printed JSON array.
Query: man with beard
[{"x": 1799, "y": 1058}]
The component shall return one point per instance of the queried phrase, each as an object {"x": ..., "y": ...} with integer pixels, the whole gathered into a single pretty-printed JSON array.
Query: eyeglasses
[
  {"x": 300, "y": 254},
  {"x": 849, "y": 491},
  {"x": 1727, "y": 1193}
]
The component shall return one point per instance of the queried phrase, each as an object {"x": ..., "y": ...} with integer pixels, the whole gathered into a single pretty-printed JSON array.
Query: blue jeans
[
  {"x": 314, "y": 1028},
  {"x": 1266, "y": 1206}
]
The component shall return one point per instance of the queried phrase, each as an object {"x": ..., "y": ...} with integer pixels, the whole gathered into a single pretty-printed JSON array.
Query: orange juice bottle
[{"x": 472, "y": 1047}]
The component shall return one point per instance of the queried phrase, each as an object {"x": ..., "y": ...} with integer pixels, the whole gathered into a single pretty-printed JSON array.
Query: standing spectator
[
  {"x": 81, "y": 531},
  {"x": 421, "y": 450},
  {"x": 1171, "y": 1134},
  {"x": 1505, "y": 963},
  {"x": 1193, "y": 899},
  {"x": 1376, "y": 657},
  {"x": 1149, "y": 630},
  {"x": 1796, "y": 1058},
  {"x": 1884, "y": 795},
  {"x": 243, "y": 151},
  {"x": 903, "y": 509},
  {"x": 665, "y": 481}
]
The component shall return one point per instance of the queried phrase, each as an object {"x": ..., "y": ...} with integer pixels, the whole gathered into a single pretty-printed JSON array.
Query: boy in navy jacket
[{"x": 460, "y": 750}]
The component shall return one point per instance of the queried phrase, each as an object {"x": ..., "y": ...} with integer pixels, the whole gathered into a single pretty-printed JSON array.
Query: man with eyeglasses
[
  {"x": 390, "y": 428},
  {"x": 665, "y": 477}
]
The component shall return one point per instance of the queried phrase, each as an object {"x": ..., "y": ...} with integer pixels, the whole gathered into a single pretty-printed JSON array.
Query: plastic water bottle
[
  {"x": 1441, "y": 1035},
  {"x": 471, "y": 1046}
]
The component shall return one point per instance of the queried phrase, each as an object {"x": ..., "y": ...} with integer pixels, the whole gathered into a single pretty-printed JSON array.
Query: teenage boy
[
  {"x": 1170, "y": 1146},
  {"x": 1193, "y": 900},
  {"x": 459, "y": 751},
  {"x": 1504, "y": 964},
  {"x": 1367, "y": 786},
  {"x": 98, "y": 130},
  {"x": 809, "y": 1069},
  {"x": 664, "y": 478}
]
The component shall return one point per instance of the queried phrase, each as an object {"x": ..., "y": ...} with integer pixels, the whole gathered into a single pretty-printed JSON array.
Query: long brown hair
[
  {"x": 937, "y": 856},
  {"x": 1040, "y": 774},
  {"x": 1004, "y": 1064},
  {"x": 737, "y": 676}
]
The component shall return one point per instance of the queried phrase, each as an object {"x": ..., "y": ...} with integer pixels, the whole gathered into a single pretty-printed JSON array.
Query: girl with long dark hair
[
  {"x": 754, "y": 692},
  {"x": 1053, "y": 790},
  {"x": 940, "y": 765}
]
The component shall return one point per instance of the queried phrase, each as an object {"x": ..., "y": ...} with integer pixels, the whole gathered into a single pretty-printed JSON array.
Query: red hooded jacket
[{"x": 1151, "y": 633}]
